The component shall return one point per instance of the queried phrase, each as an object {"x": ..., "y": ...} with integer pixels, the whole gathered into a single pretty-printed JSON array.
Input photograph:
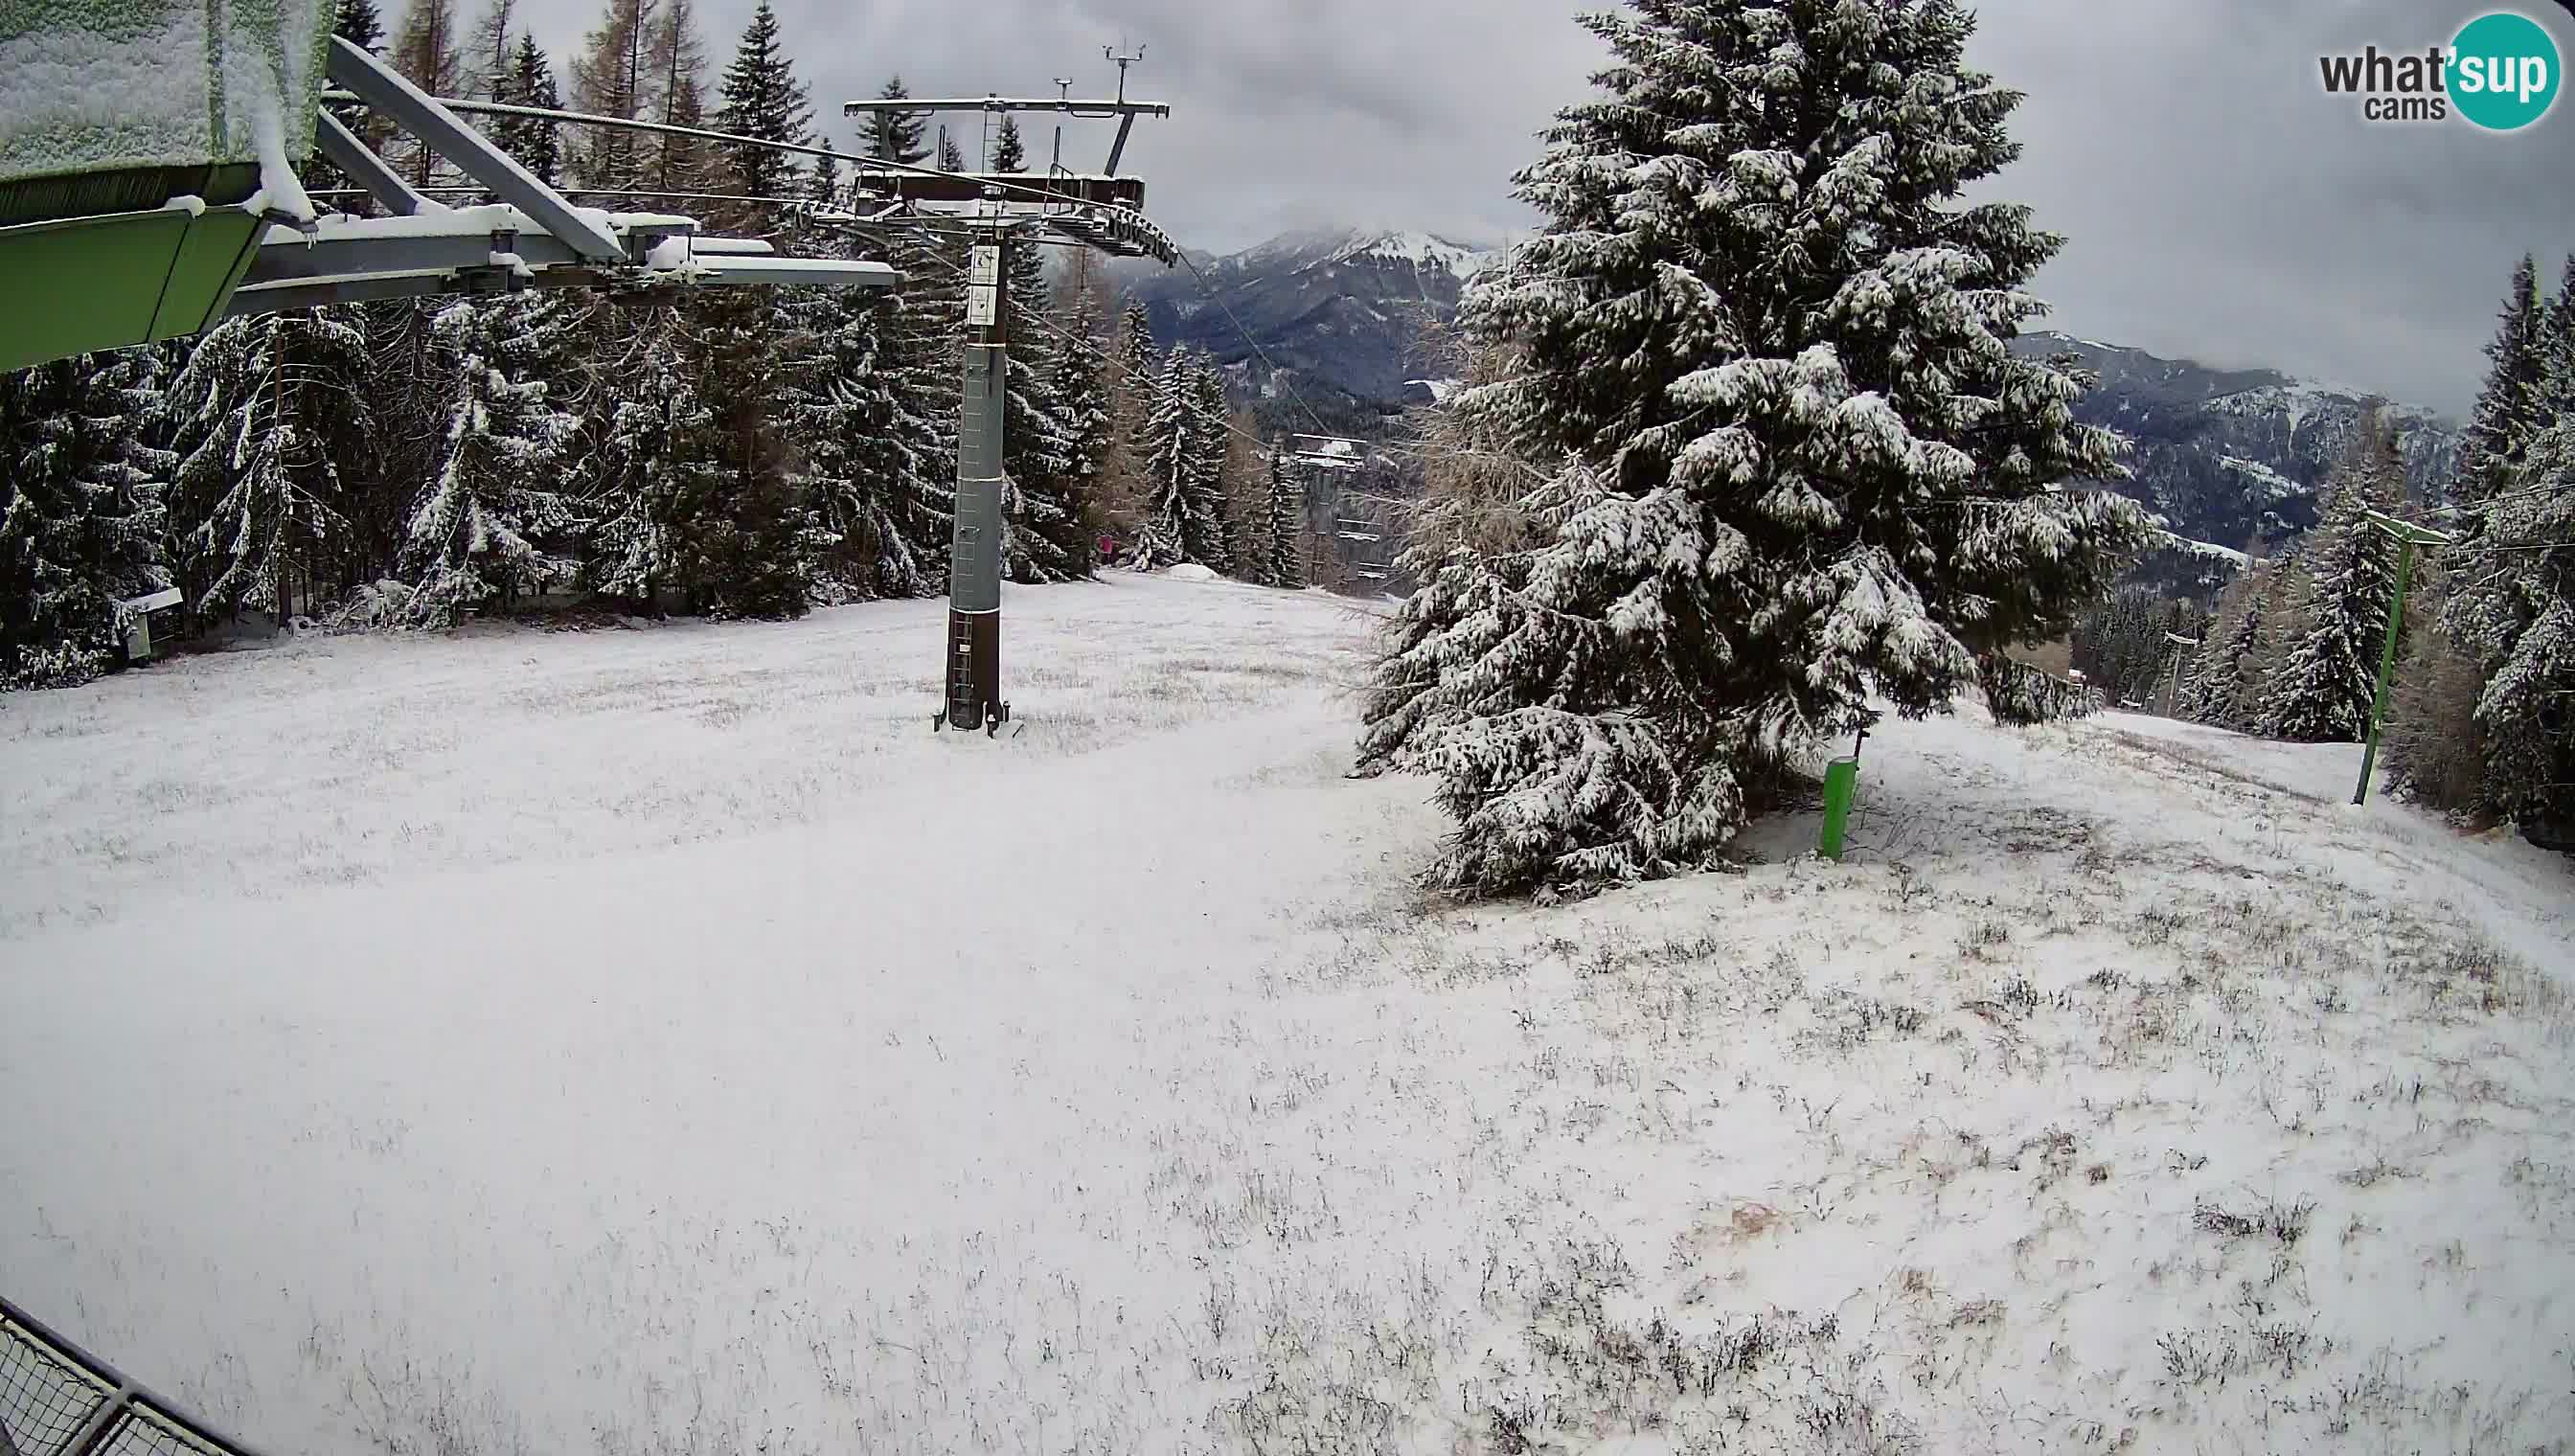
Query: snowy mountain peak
[{"x": 1422, "y": 250}]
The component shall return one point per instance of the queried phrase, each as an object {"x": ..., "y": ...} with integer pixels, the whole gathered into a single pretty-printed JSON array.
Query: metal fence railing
[{"x": 57, "y": 1399}]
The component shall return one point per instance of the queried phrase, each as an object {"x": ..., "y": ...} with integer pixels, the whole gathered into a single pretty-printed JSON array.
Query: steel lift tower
[{"x": 995, "y": 214}]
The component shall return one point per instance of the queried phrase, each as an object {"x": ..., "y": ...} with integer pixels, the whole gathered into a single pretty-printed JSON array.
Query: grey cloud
[{"x": 2217, "y": 203}]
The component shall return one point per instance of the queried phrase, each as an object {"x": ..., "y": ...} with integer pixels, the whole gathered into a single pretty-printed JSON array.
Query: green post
[
  {"x": 1841, "y": 781},
  {"x": 2386, "y": 666}
]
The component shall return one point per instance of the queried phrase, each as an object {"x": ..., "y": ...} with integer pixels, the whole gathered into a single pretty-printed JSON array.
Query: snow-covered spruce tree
[
  {"x": 2508, "y": 410},
  {"x": 922, "y": 327},
  {"x": 264, "y": 412},
  {"x": 2322, "y": 690},
  {"x": 1205, "y": 541},
  {"x": 1792, "y": 460},
  {"x": 1009, "y": 150},
  {"x": 1081, "y": 399},
  {"x": 492, "y": 522},
  {"x": 1286, "y": 525},
  {"x": 652, "y": 468},
  {"x": 81, "y": 516},
  {"x": 1174, "y": 500},
  {"x": 2514, "y": 608},
  {"x": 847, "y": 456}
]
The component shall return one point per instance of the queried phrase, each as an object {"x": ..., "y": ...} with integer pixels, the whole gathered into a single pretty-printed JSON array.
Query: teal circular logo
[{"x": 2504, "y": 71}]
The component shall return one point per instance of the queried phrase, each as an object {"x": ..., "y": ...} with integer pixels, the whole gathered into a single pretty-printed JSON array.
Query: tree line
[
  {"x": 732, "y": 453},
  {"x": 2481, "y": 712}
]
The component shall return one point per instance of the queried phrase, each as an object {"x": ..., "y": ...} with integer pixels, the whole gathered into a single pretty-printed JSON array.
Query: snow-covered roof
[{"x": 112, "y": 85}]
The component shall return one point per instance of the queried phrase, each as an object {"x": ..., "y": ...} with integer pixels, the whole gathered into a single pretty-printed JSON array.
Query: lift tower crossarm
[
  {"x": 1124, "y": 110},
  {"x": 1096, "y": 110}
]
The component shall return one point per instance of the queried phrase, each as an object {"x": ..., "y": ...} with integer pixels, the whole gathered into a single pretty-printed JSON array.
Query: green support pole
[
  {"x": 2386, "y": 667},
  {"x": 1841, "y": 781}
]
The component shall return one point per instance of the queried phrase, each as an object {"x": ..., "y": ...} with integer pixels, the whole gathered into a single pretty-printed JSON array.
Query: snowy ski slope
[{"x": 658, "y": 1040}]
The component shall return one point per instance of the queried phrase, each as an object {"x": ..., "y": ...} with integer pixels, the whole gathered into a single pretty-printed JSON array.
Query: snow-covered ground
[{"x": 658, "y": 1041}]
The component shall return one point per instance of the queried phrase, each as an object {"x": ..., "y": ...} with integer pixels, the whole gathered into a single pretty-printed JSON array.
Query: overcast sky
[{"x": 2218, "y": 205}]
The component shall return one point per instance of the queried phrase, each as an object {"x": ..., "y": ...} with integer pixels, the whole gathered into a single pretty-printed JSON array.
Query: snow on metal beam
[{"x": 828, "y": 271}]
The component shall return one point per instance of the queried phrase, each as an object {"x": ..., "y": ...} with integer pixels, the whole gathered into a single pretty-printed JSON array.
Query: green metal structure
[
  {"x": 2408, "y": 535},
  {"x": 144, "y": 147},
  {"x": 149, "y": 188}
]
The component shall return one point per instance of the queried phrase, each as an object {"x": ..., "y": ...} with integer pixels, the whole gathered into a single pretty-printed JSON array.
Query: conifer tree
[
  {"x": 537, "y": 144},
  {"x": 849, "y": 464},
  {"x": 1286, "y": 526},
  {"x": 1081, "y": 390},
  {"x": 2432, "y": 745},
  {"x": 1174, "y": 498},
  {"x": 921, "y": 325},
  {"x": 2323, "y": 692},
  {"x": 1009, "y": 153},
  {"x": 651, "y": 473},
  {"x": 1791, "y": 460},
  {"x": 949, "y": 158},
  {"x": 1205, "y": 541},
  {"x": 2507, "y": 411},
  {"x": 2210, "y": 694},
  {"x": 2513, "y": 609},
  {"x": 1244, "y": 484},
  {"x": 81, "y": 514},
  {"x": 761, "y": 98},
  {"x": 896, "y": 136},
  {"x": 492, "y": 522},
  {"x": 266, "y": 410}
]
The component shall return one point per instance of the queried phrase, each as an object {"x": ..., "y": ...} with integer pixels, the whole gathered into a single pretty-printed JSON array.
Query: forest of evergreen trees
[
  {"x": 2481, "y": 717},
  {"x": 734, "y": 453}
]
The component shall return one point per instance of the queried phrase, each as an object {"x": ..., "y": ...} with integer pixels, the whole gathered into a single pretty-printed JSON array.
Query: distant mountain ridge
[
  {"x": 1344, "y": 311},
  {"x": 2229, "y": 460},
  {"x": 2234, "y": 459}
]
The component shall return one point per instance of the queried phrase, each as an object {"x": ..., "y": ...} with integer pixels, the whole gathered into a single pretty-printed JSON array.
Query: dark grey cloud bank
[{"x": 2218, "y": 205}]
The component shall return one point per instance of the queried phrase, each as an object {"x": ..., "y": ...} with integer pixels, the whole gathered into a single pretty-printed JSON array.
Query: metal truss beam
[
  {"x": 1063, "y": 105},
  {"x": 369, "y": 170},
  {"x": 1034, "y": 187},
  {"x": 717, "y": 271},
  {"x": 439, "y": 129}
]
